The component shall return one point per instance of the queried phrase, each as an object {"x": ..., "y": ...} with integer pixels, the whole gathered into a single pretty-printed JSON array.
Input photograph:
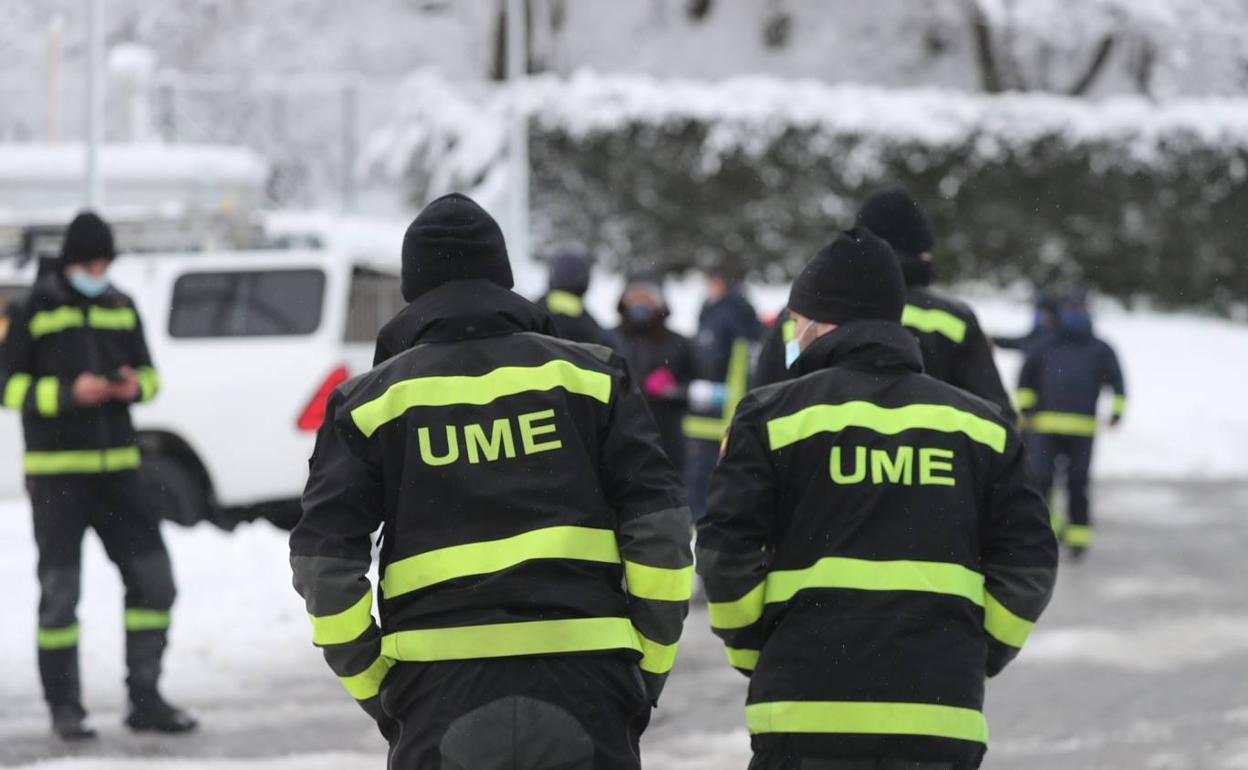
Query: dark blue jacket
[
  {"x": 720, "y": 324},
  {"x": 1061, "y": 383}
]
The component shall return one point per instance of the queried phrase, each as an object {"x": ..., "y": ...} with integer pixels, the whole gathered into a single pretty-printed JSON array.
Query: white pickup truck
[{"x": 249, "y": 344}]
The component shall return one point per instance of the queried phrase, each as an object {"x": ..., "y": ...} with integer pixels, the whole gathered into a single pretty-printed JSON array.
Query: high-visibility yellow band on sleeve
[
  {"x": 746, "y": 660},
  {"x": 565, "y": 303},
  {"x": 1079, "y": 535},
  {"x": 1120, "y": 405},
  {"x": 48, "y": 396},
  {"x": 138, "y": 619},
  {"x": 57, "y": 638},
  {"x": 16, "y": 390},
  {"x": 657, "y": 658},
  {"x": 367, "y": 683},
  {"x": 659, "y": 584},
  {"x": 1026, "y": 399},
  {"x": 345, "y": 626},
  {"x": 149, "y": 383},
  {"x": 740, "y": 613},
  {"x": 1003, "y": 625}
]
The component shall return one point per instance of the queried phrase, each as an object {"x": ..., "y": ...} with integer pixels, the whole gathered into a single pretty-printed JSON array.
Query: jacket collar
[
  {"x": 877, "y": 345},
  {"x": 457, "y": 311}
]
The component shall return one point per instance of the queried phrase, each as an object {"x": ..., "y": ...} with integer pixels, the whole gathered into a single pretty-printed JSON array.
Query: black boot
[
  {"x": 151, "y": 713},
  {"x": 58, "y": 669}
]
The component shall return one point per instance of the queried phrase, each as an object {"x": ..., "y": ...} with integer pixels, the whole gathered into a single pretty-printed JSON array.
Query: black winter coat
[
  {"x": 652, "y": 348},
  {"x": 871, "y": 552}
]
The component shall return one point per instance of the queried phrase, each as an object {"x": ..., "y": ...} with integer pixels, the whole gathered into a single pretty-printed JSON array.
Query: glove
[
  {"x": 661, "y": 384},
  {"x": 705, "y": 396}
]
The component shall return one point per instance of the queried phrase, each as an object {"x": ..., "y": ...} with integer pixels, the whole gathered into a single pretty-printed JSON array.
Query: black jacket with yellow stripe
[
  {"x": 54, "y": 335},
  {"x": 953, "y": 346},
  {"x": 526, "y": 505},
  {"x": 871, "y": 553}
]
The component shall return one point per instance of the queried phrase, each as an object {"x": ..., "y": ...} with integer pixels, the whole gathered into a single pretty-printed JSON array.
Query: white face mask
[{"x": 793, "y": 348}]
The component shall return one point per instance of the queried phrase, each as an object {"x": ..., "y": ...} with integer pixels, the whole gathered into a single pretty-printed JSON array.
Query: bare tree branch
[
  {"x": 1095, "y": 67},
  {"x": 985, "y": 48}
]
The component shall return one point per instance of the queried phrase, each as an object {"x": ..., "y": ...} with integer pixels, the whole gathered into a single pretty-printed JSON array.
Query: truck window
[
  {"x": 253, "y": 303},
  {"x": 376, "y": 297}
]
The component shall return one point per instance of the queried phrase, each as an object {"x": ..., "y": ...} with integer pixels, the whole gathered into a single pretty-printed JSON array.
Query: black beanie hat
[
  {"x": 87, "y": 238},
  {"x": 453, "y": 239},
  {"x": 569, "y": 271},
  {"x": 854, "y": 278},
  {"x": 898, "y": 218}
]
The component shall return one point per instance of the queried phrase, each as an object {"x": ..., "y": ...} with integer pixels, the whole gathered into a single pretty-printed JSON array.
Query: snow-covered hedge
[{"x": 1134, "y": 198}]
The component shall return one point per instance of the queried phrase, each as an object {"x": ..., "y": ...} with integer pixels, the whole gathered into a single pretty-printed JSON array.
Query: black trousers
[
  {"x": 1044, "y": 452},
  {"x": 112, "y": 504},
  {"x": 763, "y": 761},
  {"x": 575, "y": 712}
]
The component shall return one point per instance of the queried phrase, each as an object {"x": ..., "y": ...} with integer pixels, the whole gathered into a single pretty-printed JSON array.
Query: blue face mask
[
  {"x": 88, "y": 285},
  {"x": 792, "y": 351}
]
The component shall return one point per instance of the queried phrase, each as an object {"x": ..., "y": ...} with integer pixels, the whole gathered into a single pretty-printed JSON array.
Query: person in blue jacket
[
  {"x": 728, "y": 327},
  {"x": 1043, "y": 329},
  {"x": 1058, "y": 392}
]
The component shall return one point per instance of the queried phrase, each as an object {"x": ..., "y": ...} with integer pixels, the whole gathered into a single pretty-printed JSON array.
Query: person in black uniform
[
  {"x": 1058, "y": 391},
  {"x": 872, "y": 550},
  {"x": 569, "y": 273},
  {"x": 73, "y": 362},
  {"x": 954, "y": 347},
  {"x": 535, "y": 566},
  {"x": 663, "y": 361}
]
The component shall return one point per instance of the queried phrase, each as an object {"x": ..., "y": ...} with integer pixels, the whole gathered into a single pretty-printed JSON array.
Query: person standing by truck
[{"x": 73, "y": 362}]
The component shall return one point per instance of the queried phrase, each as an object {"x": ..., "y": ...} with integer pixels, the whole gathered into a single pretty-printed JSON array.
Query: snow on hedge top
[{"x": 456, "y": 136}]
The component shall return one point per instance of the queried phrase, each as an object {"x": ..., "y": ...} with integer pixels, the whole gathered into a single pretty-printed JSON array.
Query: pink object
[{"x": 661, "y": 383}]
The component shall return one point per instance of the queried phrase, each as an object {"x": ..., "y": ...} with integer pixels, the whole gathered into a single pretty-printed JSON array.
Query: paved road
[{"x": 1141, "y": 664}]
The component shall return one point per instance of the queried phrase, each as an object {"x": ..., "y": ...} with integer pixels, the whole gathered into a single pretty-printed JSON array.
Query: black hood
[
  {"x": 881, "y": 345},
  {"x": 460, "y": 310}
]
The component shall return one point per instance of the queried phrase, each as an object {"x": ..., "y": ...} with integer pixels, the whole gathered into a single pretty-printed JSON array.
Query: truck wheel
[{"x": 174, "y": 490}]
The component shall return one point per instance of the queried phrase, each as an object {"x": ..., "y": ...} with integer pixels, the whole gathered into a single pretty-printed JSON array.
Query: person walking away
[
  {"x": 569, "y": 274},
  {"x": 662, "y": 360},
  {"x": 728, "y": 328},
  {"x": 535, "y": 563},
  {"x": 954, "y": 347},
  {"x": 73, "y": 363},
  {"x": 1058, "y": 391},
  {"x": 872, "y": 550},
  {"x": 1043, "y": 329}
]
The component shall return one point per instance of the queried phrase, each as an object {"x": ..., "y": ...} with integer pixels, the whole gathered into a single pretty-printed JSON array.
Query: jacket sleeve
[
  {"x": 734, "y": 538},
  {"x": 975, "y": 370},
  {"x": 652, "y": 527},
  {"x": 331, "y": 554},
  {"x": 141, "y": 360},
  {"x": 1019, "y": 557},
  {"x": 1114, "y": 379},
  {"x": 20, "y": 389},
  {"x": 770, "y": 368},
  {"x": 1029, "y": 383}
]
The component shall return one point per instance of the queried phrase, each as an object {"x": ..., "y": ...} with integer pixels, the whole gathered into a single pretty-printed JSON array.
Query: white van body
[{"x": 243, "y": 341}]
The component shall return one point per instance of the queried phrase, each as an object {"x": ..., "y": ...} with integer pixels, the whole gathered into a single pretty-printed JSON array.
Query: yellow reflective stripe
[
  {"x": 345, "y": 626},
  {"x": 874, "y": 718},
  {"x": 704, "y": 428},
  {"x": 48, "y": 396},
  {"x": 740, "y": 613},
  {"x": 1026, "y": 398},
  {"x": 16, "y": 390},
  {"x": 367, "y": 683},
  {"x": 57, "y": 638},
  {"x": 1064, "y": 424},
  {"x": 565, "y": 303},
  {"x": 147, "y": 620},
  {"x": 657, "y": 658},
  {"x": 1003, "y": 625},
  {"x": 55, "y": 320},
  {"x": 82, "y": 461},
  {"x": 789, "y": 330},
  {"x": 659, "y": 583},
  {"x": 869, "y": 575},
  {"x": 744, "y": 659},
  {"x": 114, "y": 318},
  {"x": 500, "y": 640},
  {"x": 1120, "y": 405},
  {"x": 432, "y": 567},
  {"x": 479, "y": 390},
  {"x": 833, "y": 418},
  {"x": 149, "y": 383},
  {"x": 1077, "y": 535},
  {"x": 934, "y": 321}
]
